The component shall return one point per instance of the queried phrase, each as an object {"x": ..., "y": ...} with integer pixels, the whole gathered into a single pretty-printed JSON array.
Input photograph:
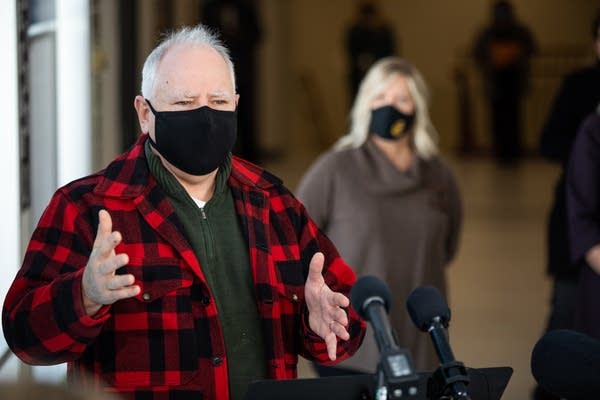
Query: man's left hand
[{"x": 326, "y": 316}]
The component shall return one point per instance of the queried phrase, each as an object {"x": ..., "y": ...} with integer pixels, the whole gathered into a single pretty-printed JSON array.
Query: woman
[{"x": 388, "y": 202}]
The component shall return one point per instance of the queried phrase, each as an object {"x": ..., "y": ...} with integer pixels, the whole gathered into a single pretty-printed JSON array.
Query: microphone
[
  {"x": 567, "y": 364},
  {"x": 430, "y": 313},
  {"x": 371, "y": 298}
]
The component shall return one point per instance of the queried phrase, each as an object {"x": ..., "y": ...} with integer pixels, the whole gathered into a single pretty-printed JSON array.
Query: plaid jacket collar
[{"x": 128, "y": 176}]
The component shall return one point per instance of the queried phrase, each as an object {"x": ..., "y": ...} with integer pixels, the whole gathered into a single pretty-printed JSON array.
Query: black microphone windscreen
[
  {"x": 424, "y": 304},
  {"x": 567, "y": 364},
  {"x": 369, "y": 287}
]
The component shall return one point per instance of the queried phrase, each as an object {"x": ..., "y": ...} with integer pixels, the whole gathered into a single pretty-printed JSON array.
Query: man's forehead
[
  {"x": 182, "y": 58},
  {"x": 189, "y": 72},
  {"x": 180, "y": 55}
]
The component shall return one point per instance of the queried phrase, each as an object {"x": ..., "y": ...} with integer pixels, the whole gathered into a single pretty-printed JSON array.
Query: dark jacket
[
  {"x": 583, "y": 205},
  {"x": 578, "y": 96}
]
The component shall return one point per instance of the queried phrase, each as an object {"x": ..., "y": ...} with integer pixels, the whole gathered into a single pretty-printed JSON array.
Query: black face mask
[
  {"x": 390, "y": 123},
  {"x": 195, "y": 141}
]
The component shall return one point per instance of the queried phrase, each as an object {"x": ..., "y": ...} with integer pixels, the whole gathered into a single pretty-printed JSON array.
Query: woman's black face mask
[
  {"x": 195, "y": 141},
  {"x": 389, "y": 123}
]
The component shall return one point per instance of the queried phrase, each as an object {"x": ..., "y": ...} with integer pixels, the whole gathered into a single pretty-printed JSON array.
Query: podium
[{"x": 485, "y": 384}]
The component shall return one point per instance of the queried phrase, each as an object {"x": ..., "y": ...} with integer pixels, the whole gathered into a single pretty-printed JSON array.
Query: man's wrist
[{"x": 89, "y": 306}]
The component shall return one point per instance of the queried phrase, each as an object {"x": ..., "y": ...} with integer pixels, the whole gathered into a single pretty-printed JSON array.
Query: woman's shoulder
[
  {"x": 332, "y": 165},
  {"x": 333, "y": 159},
  {"x": 439, "y": 167}
]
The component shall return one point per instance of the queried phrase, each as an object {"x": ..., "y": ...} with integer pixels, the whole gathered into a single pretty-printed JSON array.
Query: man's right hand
[{"x": 100, "y": 284}]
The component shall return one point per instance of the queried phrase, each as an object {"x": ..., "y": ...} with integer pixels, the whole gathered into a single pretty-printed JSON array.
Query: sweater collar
[{"x": 381, "y": 176}]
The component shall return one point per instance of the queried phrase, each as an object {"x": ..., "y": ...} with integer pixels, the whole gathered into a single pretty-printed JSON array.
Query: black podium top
[{"x": 485, "y": 384}]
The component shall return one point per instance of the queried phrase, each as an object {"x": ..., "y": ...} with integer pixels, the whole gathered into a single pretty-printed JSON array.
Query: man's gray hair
[{"x": 198, "y": 35}]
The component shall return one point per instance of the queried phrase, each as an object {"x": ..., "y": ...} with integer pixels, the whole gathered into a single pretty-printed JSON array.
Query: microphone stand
[
  {"x": 440, "y": 384},
  {"x": 450, "y": 379},
  {"x": 380, "y": 386},
  {"x": 395, "y": 378}
]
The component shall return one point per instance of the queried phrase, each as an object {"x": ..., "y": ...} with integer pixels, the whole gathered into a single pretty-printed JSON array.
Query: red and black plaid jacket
[{"x": 167, "y": 342}]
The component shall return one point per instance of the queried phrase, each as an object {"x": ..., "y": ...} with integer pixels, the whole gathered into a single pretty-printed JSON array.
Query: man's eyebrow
[
  {"x": 181, "y": 95},
  {"x": 220, "y": 93}
]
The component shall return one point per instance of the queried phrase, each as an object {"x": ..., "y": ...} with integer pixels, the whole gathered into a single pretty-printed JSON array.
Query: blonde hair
[{"x": 377, "y": 79}]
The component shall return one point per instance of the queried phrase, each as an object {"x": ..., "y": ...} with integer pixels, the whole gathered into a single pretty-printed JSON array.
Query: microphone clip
[
  {"x": 442, "y": 383},
  {"x": 396, "y": 378}
]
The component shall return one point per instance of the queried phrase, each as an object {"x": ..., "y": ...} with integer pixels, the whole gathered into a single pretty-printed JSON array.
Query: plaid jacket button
[
  {"x": 205, "y": 300},
  {"x": 217, "y": 361},
  {"x": 146, "y": 296},
  {"x": 295, "y": 298}
]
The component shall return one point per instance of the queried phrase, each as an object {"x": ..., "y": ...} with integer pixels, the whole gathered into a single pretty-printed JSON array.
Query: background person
[
  {"x": 578, "y": 96},
  {"x": 180, "y": 271},
  {"x": 503, "y": 52},
  {"x": 369, "y": 38},
  {"x": 583, "y": 211},
  {"x": 388, "y": 201}
]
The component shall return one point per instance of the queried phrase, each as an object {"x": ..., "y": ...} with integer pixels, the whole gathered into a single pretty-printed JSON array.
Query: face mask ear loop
[
  {"x": 152, "y": 143},
  {"x": 150, "y": 105}
]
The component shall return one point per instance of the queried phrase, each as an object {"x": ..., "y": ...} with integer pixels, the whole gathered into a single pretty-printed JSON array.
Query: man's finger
[
  {"x": 107, "y": 246},
  {"x": 338, "y": 299},
  {"x": 340, "y": 331},
  {"x": 120, "y": 281},
  {"x": 341, "y": 317},
  {"x": 331, "y": 342},
  {"x": 112, "y": 264},
  {"x": 104, "y": 227},
  {"x": 316, "y": 267},
  {"x": 123, "y": 293}
]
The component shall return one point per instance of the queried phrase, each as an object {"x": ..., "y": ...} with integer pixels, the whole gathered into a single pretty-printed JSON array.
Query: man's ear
[
  {"x": 237, "y": 99},
  {"x": 143, "y": 113}
]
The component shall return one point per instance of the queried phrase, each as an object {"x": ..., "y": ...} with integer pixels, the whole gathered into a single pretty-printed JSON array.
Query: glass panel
[{"x": 41, "y": 11}]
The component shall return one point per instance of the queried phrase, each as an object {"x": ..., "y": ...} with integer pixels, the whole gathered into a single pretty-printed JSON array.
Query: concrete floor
[{"x": 499, "y": 292}]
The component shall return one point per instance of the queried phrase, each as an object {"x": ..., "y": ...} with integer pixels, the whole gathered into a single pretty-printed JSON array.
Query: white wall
[
  {"x": 71, "y": 143},
  {"x": 9, "y": 162},
  {"x": 73, "y": 89}
]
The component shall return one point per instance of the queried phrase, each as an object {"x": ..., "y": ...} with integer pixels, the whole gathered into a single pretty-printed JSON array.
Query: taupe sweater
[{"x": 400, "y": 226}]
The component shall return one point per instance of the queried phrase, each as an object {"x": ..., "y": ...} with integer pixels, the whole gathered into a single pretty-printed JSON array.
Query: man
[
  {"x": 503, "y": 51},
  {"x": 180, "y": 271},
  {"x": 578, "y": 97},
  {"x": 369, "y": 38},
  {"x": 583, "y": 211}
]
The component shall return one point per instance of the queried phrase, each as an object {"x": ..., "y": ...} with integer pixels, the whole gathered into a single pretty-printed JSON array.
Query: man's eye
[
  {"x": 183, "y": 102},
  {"x": 220, "y": 102}
]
